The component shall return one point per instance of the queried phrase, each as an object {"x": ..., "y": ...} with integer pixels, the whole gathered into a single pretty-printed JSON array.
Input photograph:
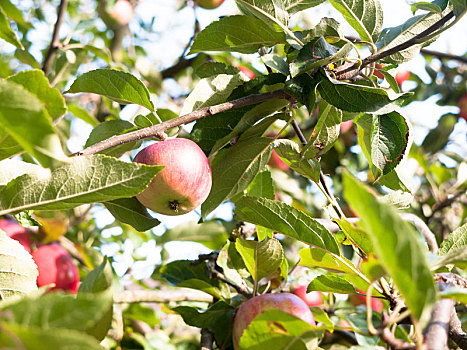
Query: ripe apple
[
  {"x": 276, "y": 162},
  {"x": 248, "y": 72},
  {"x": 346, "y": 126},
  {"x": 122, "y": 12},
  {"x": 462, "y": 104},
  {"x": 17, "y": 232},
  {"x": 55, "y": 265},
  {"x": 402, "y": 75},
  {"x": 287, "y": 302},
  {"x": 313, "y": 298},
  {"x": 209, "y": 4},
  {"x": 183, "y": 184},
  {"x": 356, "y": 299}
]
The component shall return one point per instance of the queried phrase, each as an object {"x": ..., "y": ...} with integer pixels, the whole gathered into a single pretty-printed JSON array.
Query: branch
[
  {"x": 456, "y": 333},
  {"x": 207, "y": 340},
  {"x": 55, "y": 43},
  {"x": 350, "y": 70},
  {"x": 159, "y": 296},
  {"x": 159, "y": 129},
  {"x": 412, "y": 218},
  {"x": 442, "y": 55},
  {"x": 436, "y": 333}
]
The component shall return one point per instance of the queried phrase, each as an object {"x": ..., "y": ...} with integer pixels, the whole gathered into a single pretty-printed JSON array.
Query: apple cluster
[{"x": 53, "y": 262}]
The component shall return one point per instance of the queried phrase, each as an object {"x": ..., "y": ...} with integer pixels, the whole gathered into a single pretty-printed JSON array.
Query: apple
[
  {"x": 378, "y": 73},
  {"x": 346, "y": 126},
  {"x": 248, "y": 72},
  {"x": 16, "y": 232},
  {"x": 251, "y": 308},
  {"x": 462, "y": 104},
  {"x": 183, "y": 184},
  {"x": 402, "y": 75},
  {"x": 209, "y": 4},
  {"x": 356, "y": 299},
  {"x": 313, "y": 298},
  {"x": 122, "y": 12},
  {"x": 55, "y": 265},
  {"x": 276, "y": 162}
]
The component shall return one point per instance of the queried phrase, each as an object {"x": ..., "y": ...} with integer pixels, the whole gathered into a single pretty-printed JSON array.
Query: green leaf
[
  {"x": 426, "y": 6},
  {"x": 383, "y": 139},
  {"x": 97, "y": 280},
  {"x": 18, "y": 272},
  {"x": 82, "y": 114},
  {"x": 294, "y": 6},
  {"x": 269, "y": 11},
  {"x": 35, "y": 82},
  {"x": 438, "y": 137},
  {"x": 325, "y": 133},
  {"x": 261, "y": 186},
  {"x": 23, "y": 116},
  {"x": 317, "y": 53},
  {"x": 315, "y": 257},
  {"x": 86, "y": 179},
  {"x": 6, "y": 33},
  {"x": 8, "y": 146},
  {"x": 357, "y": 236},
  {"x": 365, "y": 16},
  {"x": 457, "y": 294},
  {"x": 278, "y": 330},
  {"x": 116, "y": 85},
  {"x": 12, "y": 168},
  {"x": 290, "y": 152},
  {"x": 189, "y": 274},
  {"x": 359, "y": 98},
  {"x": 218, "y": 318},
  {"x": 303, "y": 88},
  {"x": 326, "y": 27},
  {"x": 456, "y": 256},
  {"x": 285, "y": 219},
  {"x": 12, "y": 12},
  {"x": 236, "y": 170},
  {"x": 210, "y": 233},
  {"x": 232, "y": 264},
  {"x": 108, "y": 129},
  {"x": 261, "y": 258},
  {"x": 459, "y": 7},
  {"x": 36, "y": 338},
  {"x": 211, "y": 91},
  {"x": 276, "y": 62},
  {"x": 331, "y": 284},
  {"x": 208, "y": 69},
  {"x": 244, "y": 34},
  {"x": 58, "y": 310},
  {"x": 391, "y": 37},
  {"x": 456, "y": 239},
  {"x": 392, "y": 238},
  {"x": 131, "y": 212}
]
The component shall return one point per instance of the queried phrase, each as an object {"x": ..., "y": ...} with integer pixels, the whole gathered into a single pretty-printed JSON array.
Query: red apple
[
  {"x": 402, "y": 75},
  {"x": 462, "y": 104},
  {"x": 122, "y": 12},
  {"x": 17, "y": 232},
  {"x": 251, "y": 308},
  {"x": 346, "y": 126},
  {"x": 356, "y": 299},
  {"x": 183, "y": 184},
  {"x": 276, "y": 162},
  {"x": 248, "y": 72},
  {"x": 209, "y": 4},
  {"x": 313, "y": 298},
  {"x": 55, "y": 265},
  {"x": 378, "y": 73}
]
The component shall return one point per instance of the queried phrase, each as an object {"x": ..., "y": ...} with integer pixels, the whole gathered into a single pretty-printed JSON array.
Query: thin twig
[
  {"x": 158, "y": 129},
  {"x": 207, "y": 339},
  {"x": 161, "y": 296},
  {"x": 55, "y": 42},
  {"x": 456, "y": 333},
  {"x": 350, "y": 70}
]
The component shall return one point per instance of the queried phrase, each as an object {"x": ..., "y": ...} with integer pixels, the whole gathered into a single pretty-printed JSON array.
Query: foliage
[{"x": 371, "y": 227}]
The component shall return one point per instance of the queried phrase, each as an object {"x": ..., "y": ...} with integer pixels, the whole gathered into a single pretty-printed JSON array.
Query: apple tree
[{"x": 277, "y": 138}]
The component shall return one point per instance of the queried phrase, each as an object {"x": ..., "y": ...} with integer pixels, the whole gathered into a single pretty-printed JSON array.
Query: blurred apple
[
  {"x": 276, "y": 162},
  {"x": 122, "y": 12},
  {"x": 313, "y": 298},
  {"x": 56, "y": 266},
  {"x": 356, "y": 299},
  {"x": 251, "y": 308},
  {"x": 346, "y": 126},
  {"x": 16, "y": 232},
  {"x": 248, "y": 72},
  {"x": 209, "y": 4},
  {"x": 402, "y": 75},
  {"x": 462, "y": 104},
  {"x": 377, "y": 73}
]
